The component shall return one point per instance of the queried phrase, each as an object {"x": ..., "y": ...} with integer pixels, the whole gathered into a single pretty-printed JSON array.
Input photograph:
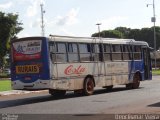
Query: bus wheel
[
  {"x": 136, "y": 81},
  {"x": 57, "y": 93},
  {"x": 88, "y": 86}
]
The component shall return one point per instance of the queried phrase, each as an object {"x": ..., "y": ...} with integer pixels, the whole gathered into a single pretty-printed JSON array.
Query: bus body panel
[{"x": 71, "y": 76}]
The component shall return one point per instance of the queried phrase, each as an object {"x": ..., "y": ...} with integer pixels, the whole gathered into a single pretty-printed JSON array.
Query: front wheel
[
  {"x": 136, "y": 81},
  {"x": 88, "y": 86}
]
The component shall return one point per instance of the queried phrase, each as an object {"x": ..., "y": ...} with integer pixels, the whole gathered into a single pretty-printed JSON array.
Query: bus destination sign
[{"x": 23, "y": 69}]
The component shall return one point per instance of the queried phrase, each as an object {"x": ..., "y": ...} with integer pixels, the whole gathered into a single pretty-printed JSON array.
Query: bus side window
[
  {"x": 107, "y": 52},
  {"x": 95, "y": 52},
  {"x": 137, "y": 52},
  {"x": 85, "y": 52},
  {"x": 72, "y": 52},
  {"x": 50, "y": 47},
  {"x": 52, "y": 50},
  {"x": 126, "y": 52},
  {"x": 116, "y": 52},
  {"x": 101, "y": 52},
  {"x": 60, "y": 55},
  {"x": 130, "y": 52}
]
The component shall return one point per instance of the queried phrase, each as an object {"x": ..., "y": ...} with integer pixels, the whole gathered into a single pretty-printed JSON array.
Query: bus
[{"x": 79, "y": 64}]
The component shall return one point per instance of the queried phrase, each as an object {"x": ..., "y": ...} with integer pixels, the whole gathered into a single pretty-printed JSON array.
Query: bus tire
[
  {"x": 57, "y": 93},
  {"x": 136, "y": 81},
  {"x": 88, "y": 86}
]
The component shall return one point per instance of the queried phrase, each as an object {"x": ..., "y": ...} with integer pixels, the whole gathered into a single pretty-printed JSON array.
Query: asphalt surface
[{"x": 100, "y": 106}]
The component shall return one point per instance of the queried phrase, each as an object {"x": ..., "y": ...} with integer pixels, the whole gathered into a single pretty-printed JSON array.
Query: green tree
[
  {"x": 109, "y": 34},
  {"x": 124, "y": 31},
  {"x": 144, "y": 34},
  {"x": 158, "y": 37},
  {"x": 134, "y": 34},
  {"x": 9, "y": 28}
]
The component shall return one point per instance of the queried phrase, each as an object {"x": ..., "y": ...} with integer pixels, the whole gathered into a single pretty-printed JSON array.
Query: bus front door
[{"x": 147, "y": 63}]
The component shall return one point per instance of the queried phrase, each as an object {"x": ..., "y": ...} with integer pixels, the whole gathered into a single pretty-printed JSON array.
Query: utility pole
[
  {"x": 42, "y": 20},
  {"x": 98, "y": 24},
  {"x": 153, "y": 19}
]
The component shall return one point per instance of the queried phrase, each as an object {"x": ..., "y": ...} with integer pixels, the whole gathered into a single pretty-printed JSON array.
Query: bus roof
[
  {"x": 86, "y": 40},
  {"x": 96, "y": 40}
]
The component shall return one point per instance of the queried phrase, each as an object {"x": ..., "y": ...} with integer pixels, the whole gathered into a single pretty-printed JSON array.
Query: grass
[
  {"x": 5, "y": 85},
  {"x": 156, "y": 72}
]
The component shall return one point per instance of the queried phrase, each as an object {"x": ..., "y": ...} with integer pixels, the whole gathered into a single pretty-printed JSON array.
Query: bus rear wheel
[
  {"x": 57, "y": 93},
  {"x": 88, "y": 87}
]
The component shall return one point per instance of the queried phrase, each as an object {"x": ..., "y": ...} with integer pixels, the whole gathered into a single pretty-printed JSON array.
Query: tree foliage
[
  {"x": 144, "y": 34},
  {"x": 109, "y": 33},
  {"x": 9, "y": 28}
]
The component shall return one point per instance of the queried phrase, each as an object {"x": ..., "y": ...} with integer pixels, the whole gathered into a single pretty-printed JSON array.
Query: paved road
[{"x": 146, "y": 99}]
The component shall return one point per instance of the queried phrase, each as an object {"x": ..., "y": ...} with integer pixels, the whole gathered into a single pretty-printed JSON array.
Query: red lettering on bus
[{"x": 71, "y": 70}]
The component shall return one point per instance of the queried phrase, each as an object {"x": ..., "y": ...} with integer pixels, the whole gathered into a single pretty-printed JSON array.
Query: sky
[{"x": 79, "y": 17}]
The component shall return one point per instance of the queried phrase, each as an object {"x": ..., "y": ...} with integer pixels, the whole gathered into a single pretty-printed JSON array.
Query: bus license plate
[{"x": 22, "y": 69}]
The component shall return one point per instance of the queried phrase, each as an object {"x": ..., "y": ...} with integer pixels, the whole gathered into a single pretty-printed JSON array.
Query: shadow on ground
[
  {"x": 44, "y": 98},
  {"x": 155, "y": 105}
]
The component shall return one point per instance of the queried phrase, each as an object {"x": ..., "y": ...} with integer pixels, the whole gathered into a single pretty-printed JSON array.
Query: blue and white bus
[{"x": 79, "y": 64}]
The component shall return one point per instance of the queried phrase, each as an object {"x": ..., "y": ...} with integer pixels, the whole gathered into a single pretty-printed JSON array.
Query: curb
[{"x": 18, "y": 92}]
